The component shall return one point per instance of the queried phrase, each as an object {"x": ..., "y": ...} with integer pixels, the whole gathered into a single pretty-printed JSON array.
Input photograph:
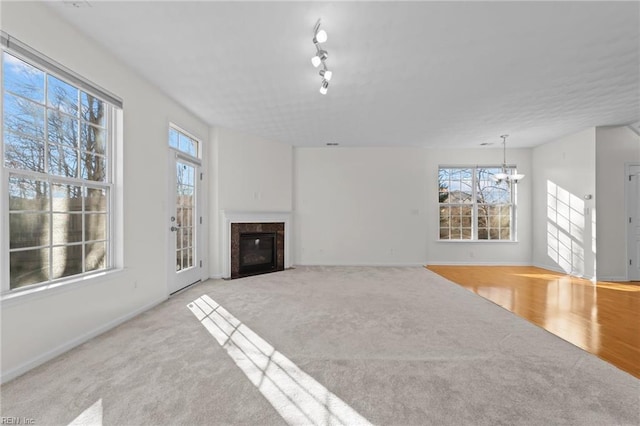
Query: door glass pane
[{"x": 185, "y": 192}]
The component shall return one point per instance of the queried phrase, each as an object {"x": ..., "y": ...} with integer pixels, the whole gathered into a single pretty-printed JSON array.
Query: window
[
  {"x": 474, "y": 206},
  {"x": 57, "y": 156},
  {"x": 179, "y": 140}
]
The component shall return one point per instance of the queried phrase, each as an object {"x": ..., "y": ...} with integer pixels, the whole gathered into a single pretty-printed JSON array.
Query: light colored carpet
[{"x": 399, "y": 345}]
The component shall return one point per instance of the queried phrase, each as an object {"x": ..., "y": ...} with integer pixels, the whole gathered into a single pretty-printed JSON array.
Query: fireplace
[
  {"x": 257, "y": 253},
  {"x": 256, "y": 248}
]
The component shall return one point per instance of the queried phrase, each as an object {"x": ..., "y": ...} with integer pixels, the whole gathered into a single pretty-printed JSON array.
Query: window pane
[
  {"x": 62, "y": 96},
  {"x": 67, "y": 260},
  {"x": 187, "y": 145},
  {"x": 28, "y": 194},
  {"x": 28, "y": 230},
  {"x": 489, "y": 190},
  {"x": 66, "y": 198},
  {"x": 92, "y": 139},
  {"x": 23, "y": 116},
  {"x": 483, "y": 234},
  {"x": 96, "y": 200},
  {"x": 62, "y": 129},
  {"x": 95, "y": 226},
  {"x": 445, "y": 234},
  {"x": 22, "y": 152},
  {"x": 93, "y": 110},
  {"x": 22, "y": 78},
  {"x": 173, "y": 138},
  {"x": 63, "y": 161},
  {"x": 93, "y": 167},
  {"x": 67, "y": 228},
  {"x": 96, "y": 256},
  {"x": 28, "y": 267}
]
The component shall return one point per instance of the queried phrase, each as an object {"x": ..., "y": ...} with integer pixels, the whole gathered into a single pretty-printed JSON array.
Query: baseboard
[
  {"x": 614, "y": 278},
  {"x": 49, "y": 355},
  {"x": 562, "y": 271},
  {"x": 467, "y": 263},
  {"x": 393, "y": 265}
]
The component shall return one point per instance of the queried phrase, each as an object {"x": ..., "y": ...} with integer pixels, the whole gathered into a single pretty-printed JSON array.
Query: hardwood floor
[{"x": 601, "y": 318}]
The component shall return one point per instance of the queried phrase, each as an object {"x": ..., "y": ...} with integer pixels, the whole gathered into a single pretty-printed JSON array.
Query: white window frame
[
  {"x": 186, "y": 155},
  {"x": 113, "y": 170},
  {"x": 474, "y": 204}
]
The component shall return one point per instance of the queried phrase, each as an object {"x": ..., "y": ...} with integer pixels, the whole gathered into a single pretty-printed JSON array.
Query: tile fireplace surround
[{"x": 236, "y": 217}]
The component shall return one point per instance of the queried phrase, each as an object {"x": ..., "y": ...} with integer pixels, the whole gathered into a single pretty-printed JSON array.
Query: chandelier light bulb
[
  {"x": 324, "y": 87},
  {"x": 316, "y": 61},
  {"x": 321, "y": 37},
  {"x": 500, "y": 176}
]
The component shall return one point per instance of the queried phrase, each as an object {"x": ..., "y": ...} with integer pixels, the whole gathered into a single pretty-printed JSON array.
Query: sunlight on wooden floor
[{"x": 602, "y": 318}]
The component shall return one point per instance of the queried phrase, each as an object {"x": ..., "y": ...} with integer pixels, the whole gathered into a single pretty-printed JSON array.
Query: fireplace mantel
[{"x": 229, "y": 217}]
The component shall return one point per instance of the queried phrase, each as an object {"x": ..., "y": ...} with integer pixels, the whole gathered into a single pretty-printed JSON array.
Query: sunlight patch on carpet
[
  {"x": 295, "y": 395},
  {"x": 92, "y": 416}
]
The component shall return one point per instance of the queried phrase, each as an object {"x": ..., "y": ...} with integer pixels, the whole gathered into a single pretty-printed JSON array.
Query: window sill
[
  {"x": 479, "y": 241},
  {"x": 19, "y": 296}
]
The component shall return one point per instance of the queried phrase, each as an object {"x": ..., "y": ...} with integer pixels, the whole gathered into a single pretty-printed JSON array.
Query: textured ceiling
[{"x": 404, "y": 73}]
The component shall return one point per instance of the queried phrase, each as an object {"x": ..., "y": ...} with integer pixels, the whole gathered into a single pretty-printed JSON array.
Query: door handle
[{"x": 174, "y": 228}]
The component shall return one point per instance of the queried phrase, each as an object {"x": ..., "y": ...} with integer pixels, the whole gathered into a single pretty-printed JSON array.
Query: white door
[
  {"x": 633, "y": 213},
  {"x": 184, "y": 223}
]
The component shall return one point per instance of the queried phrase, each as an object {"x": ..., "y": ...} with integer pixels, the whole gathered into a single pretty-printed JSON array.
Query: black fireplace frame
[{"x": 260, "y": 268}]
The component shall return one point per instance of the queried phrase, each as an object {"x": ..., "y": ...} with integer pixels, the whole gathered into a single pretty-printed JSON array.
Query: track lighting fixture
[
  {"x": 503, "y": 175},
  {"x": 320, "y": 36}
]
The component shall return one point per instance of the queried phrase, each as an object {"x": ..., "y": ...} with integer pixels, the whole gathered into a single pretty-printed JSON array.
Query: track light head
[
  {"x": 320, "y": 37},
  {"x": 326, "y": 74},
  {"x": 321, "y": 56},
  {"x": 324, "y": 87}
]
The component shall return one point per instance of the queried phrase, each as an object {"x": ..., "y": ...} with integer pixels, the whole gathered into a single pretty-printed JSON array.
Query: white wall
[
  {"x": 564, "y": 172},
  {"x": 250, "y": 174},
  {"x": 34, "y": 330},
  {"x": 379, "y": 206},
  {"x": 615, "y": 147},
  {"x": 358, "y": 206}
]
